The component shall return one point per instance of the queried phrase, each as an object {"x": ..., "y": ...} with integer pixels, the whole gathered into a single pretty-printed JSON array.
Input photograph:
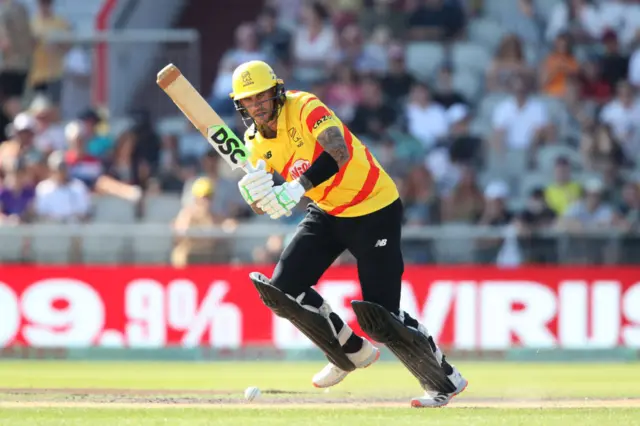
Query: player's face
[{"x": 260, "y": 106}]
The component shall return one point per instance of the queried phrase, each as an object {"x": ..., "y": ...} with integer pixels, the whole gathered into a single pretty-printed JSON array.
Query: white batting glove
[
  {"x": 282, "y": 199},
  {"x": 256, "y": 184}
]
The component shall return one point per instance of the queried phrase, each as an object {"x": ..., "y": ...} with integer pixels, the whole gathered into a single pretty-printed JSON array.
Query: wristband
[{"x": 322, "y": 169}]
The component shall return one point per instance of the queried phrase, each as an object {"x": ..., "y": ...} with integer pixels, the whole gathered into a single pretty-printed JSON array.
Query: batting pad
[
  {"x": 313, "y": 325},
  {"x": 410, "y": 346}
]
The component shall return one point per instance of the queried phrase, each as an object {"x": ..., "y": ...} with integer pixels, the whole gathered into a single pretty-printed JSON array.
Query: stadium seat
[
  {"x": 51, "y": 244},
  {"x": 499, "y": 9},
  {"x": 152, "y": 244},
  {"x": 105, "y": 247},
  {"x": 110, "y": 209},
  {"x": 13, "y": 242},
  {"x": 424, "y": 58},
  {"x": 449, "y": 248},
  {"x": 487, "y": 32},
  {"x": 471, "y": 56},
  {"x": 161, "y": 208},
  {"x": 545, "y": 8},
  {"x": 468, "y": 84}
]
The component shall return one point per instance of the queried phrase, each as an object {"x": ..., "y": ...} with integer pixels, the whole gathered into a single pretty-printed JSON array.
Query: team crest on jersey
[
  {"x": 295, "y": 137},
  {"x": 298, "y": 168}
]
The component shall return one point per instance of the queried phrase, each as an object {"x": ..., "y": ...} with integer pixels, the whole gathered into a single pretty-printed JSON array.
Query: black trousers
[{"x": 373, "y": 239}]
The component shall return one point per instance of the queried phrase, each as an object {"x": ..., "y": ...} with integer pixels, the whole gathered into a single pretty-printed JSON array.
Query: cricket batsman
[{"x": 356, "y": 207}]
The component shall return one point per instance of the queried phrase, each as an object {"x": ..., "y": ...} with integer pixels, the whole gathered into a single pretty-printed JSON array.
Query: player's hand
[
  {"x": 256, "y": 184},
  {"x": 282, "y": 199}
]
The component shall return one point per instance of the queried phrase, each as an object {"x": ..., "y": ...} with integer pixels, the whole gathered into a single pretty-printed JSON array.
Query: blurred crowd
[
  {"x": 522, "y": 113},
  {"x": 491, "y": 112}
]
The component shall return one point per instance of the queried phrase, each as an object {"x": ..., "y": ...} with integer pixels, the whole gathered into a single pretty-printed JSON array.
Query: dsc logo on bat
[{"x": 226, "y": 143}]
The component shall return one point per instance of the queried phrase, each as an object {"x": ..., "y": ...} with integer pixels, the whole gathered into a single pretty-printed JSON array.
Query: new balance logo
[
  {"x": 267, "y": 155},
  {"x": 381, "y": 243}
]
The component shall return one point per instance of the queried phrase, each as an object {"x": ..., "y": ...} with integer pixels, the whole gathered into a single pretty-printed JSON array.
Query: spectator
[
  {"x": 589, "y": 212},
  {"x": 613, "y": 182},
  {"x": 465, "y": 202},
  {"x": 21, "y": 146},
  {"x": 525, "y": 23},
  {"x": 98, "y": 145},
  {"x": 373, "y": 116},
  {"x": 170, "y": 172},
  {"x": 579, "y": 18},
  {"x": 437, "y": 20},
  {"x": 48, "y": 58},
  {"x": 226, "y": 201},
  {"x": 508, "y": 62},
  {"x": 420, "y": 197},
  {"x": 426, "y": 120},
  {"x": 560, "y": 194},
  {"x": 623, "y": 113},
  {"x": 398, "y": 81},
  {"x": 275, "y": 40},
  {"x": 49, "y": 132},
  {"x": 76, "y": 82},
  {"x": 465, "y": 146},
  {"x": 17, "y": 194},
  {"x": 343, "y": 92},
  {"x": 535, "y": 218},
  {"x": 536, "y": 215},
  {"x": 16, "y": 46},
  {"x": 600, "y": 147},
  {"x": 495, "y": 213},
  {"x": 521, "y": 121},
  {"x": 314, "y": 43},
  {"x": 629, "y": 31},
  {"x": 146, "y": 153},
  {"x": 614, "y": 65},
  {"x": 61, "y": 198},
  {"x": 594, "y": 86},
  {"x": 383, "y": 12},
  {"x": 559, "y": 66},
  {"x": 80, "y": 164},
  {"x": 121, "y": 165},
  {"x": 246, "y": 48},
  {"x": 190, "y": 250},
  {"x": 375, "y": 52},
  {"x": 444, "y": 92},
  {"x": 627, "y": 213},
  {"x": 575, "y": 114}
]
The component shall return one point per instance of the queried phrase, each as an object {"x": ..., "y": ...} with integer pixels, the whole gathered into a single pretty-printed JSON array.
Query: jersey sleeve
[
  {"x": 316, "y": 117},
  {"x": 254, "y": 152}
]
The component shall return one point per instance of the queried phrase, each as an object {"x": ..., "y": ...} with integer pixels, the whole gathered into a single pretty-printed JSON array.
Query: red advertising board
[{"x": 467, "y": 308}]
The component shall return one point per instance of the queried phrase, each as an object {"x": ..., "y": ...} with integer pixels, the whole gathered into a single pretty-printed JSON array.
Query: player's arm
[{"x": 321, "y": 123}]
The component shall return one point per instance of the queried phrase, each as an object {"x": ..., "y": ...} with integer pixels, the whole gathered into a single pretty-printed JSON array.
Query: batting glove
[
  {"x": 282, "y": 199},
  {"x": 256, "y": 184}
]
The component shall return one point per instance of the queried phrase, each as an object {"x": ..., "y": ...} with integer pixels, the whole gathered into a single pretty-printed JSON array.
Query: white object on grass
[{"x": 251, "y": 393}]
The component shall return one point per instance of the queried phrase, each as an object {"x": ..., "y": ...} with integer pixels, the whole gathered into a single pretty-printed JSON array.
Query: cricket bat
[{"x": 203, "y": 117}]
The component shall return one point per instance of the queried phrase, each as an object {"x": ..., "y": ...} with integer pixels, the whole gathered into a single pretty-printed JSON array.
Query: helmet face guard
[{"x": 278, "y": 100}]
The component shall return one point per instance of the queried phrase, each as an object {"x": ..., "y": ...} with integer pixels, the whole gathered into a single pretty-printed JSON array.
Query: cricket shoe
[
  {"x": 433, "y": 399},
  {"x": 331, "y": 375}
]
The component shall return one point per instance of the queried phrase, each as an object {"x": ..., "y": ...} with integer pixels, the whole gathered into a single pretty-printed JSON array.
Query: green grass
[
  {"x": 384, "y": 380},
  {"x": 328, "y": 417}
]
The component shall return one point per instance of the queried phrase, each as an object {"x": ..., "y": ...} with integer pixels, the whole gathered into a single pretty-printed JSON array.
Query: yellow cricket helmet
[
  {"x": 251, "y": 78},
  {"x": 255, "y": 77}
]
